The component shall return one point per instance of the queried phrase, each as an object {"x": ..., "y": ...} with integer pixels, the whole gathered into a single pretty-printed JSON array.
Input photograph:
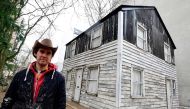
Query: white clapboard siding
[
  {"x": 97, "y": 55},
  {"x": 147, "y": 60},
  {"x": 155, "y": 72},
  {"x": 105, "y": 56}
]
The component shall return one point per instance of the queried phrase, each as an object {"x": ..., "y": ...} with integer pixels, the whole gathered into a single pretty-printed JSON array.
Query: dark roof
[{"x": 121, "y": 8}]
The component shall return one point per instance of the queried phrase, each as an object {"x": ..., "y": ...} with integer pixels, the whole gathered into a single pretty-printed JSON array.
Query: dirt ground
[{"x": 73, "y": 105}]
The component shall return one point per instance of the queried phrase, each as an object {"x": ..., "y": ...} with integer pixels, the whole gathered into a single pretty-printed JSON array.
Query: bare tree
[
  {"x": 97, "y": 9},
  {"x": 31, "y": 16},
  {"x": 38, "y": 11}
]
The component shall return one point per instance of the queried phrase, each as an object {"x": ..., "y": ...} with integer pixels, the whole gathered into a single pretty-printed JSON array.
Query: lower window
[
  {"x": 92, "y": 84},
  {"x": 137, "y": 84}
]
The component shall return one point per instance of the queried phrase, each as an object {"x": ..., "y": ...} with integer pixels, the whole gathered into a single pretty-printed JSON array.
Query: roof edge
[{"x": 120, "y": 8}]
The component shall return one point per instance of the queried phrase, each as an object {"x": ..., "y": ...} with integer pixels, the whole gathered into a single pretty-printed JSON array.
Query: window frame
[
  {"x": 173, "y": 87},
  {"x": 145, "y": 41},
  {"x": 168, "y": 54},
  {"x": 88, "y": 79},
  {"x": 142, "y": 82},
  {"x": 92, "y": 34},
  {"x": 72, "y": 45}
]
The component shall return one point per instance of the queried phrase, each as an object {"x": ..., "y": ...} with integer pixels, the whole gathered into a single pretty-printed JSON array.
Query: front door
[
  {"x": 78, "y": 81},
  {"x": 168, "y": 88}
]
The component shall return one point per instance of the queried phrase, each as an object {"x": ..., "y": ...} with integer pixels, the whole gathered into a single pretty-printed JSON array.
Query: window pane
[
  {"x": 92, "y": 86},
  {"x": 96, "y": 42},
  {"x": 97, "y": 32},
  {"x": 96, "y": 35},
  {"x": 93, "y": 80},
  {"x": 137, "y": 89},
  {"x": 72, "y": 51},
  {"x": 166, "y": 49},
  {"x": 140, "y": 32},
  {"x": 94, "y": 73},
  {"x": 137, "y": 76},
  {"x": 73, "y": 47},
  {"x": 140, "y": 43},
  {"x": 141, "y": 36},
  {"x": 137, "y": 82},
  {"x": 167, "y": 53}
]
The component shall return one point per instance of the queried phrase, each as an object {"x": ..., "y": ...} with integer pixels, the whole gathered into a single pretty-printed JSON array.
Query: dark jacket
[{"x": 51, "y": 95}]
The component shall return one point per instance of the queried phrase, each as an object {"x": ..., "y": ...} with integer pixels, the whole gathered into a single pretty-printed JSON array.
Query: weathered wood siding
[
  {"x": 156, "y": 71},
  {"x": 156, "y": 31},
  {"x": 109, "y": 33},
  {"x": 110, "y": 29},
  {"x": 105, "y": 56}
]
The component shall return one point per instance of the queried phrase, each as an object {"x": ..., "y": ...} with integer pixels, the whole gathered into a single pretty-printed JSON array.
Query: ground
[{"x": 70, "y": 104}]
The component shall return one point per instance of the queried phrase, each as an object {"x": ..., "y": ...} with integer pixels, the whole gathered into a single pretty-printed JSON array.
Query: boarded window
[
  {"x": 93, "y": 80},
  {"x": 167, "y": 52},
  {"x": 96, "y": 36},
  {"x": 141, "y": 36},
  {"x": 137, "y": 82}
]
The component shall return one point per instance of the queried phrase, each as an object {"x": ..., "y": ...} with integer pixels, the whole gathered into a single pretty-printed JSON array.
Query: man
[{"x": 39, "y": 86}]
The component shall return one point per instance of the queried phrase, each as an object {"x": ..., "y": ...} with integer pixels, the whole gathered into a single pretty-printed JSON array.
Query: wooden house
[{"x": 124, "y": 61}]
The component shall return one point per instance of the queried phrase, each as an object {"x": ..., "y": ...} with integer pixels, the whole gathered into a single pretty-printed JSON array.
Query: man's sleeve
[
  {"x": 9, "y": 98},
  {"x": 61, "y": 94}
]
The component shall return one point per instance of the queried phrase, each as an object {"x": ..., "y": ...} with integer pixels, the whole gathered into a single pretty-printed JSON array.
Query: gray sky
[
  {"x": 65, "y": 25},
  {"x": 174, "y": 13}
]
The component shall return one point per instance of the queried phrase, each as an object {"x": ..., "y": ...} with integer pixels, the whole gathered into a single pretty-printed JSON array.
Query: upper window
[
  {"x": 93, "y": 73},
  {"x": 137, "y": 85},
  {"x": 96, "y": 36},
  {"x": 72, "y": 48},
  {"x": 167, "y": 52},
  {"x": 141, "y": 36}
]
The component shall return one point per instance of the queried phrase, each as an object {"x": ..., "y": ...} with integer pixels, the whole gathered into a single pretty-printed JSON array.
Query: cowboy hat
[{"x": 45, "y": 43}]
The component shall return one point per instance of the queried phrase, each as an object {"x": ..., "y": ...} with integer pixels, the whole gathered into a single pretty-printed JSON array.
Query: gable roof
[{"x": 128, "y": 7}]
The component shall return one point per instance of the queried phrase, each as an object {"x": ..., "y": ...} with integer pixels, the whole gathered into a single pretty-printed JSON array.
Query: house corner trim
[{"x": 119, "y": 58}]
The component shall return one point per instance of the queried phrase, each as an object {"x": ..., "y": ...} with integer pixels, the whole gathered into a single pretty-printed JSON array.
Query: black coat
[{"x": 52, "y": 93}]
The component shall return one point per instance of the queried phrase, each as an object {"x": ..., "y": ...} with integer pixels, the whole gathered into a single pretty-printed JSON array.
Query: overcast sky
[
  {"x": 168, "y": 9},
  {"x": 65, "y": 25}
]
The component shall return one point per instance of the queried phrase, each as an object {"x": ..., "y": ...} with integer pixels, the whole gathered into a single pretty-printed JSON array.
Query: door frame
[
  {"x": 75, "y": 86},
  {"x": 169, "y": 93}
]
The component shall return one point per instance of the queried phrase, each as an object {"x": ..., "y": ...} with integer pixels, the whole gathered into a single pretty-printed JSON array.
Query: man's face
[{"x": 43, "y": 56}]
